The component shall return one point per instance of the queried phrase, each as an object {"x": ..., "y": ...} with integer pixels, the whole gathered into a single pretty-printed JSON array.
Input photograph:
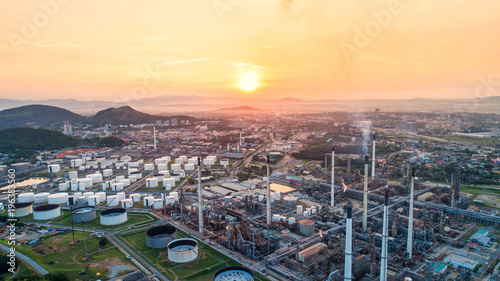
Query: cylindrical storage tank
[
  {"x": 175, "y": 167},
  {"x": 289, "y": 202},
  {"x": 170, "y": 200},
  {"x": 291, "y": 220},
  {"x": 93, "y": 200},
  {"x": 136, "y": 197},
  {"x": 276, "y": 217},
  {"x": 54, "y": 168},
  {"x": 170, "y": 181},
  {"x": 127, "y": 203},
  {"x": 74, "y": 185},
  {"x": 408, "y": 279},
  {"x": 113, "y": 216},
  {"x": 132, "y": 178},
  {"x": 26, "y": 197},
  {"x": 160, "y": 177},
  {"x": 233, "y": 273},
  {"x": 46, "y": 212},
  {"x": 117, "y": 186},
  {"x": 151, "y": 182},
  {"x": 101, "y": 195},
  {"x": 134, "y": 164},
  {"x": 118, "y": 178},
  {"x": 306, "y": 227},
  {"x": 158, "y": 203},
  {"x": 76, "y": 163},
  {"x": 81, "y": 168},
  {"x": 149, "y": 167},
  {"x": 73, "y": 175},
  {"x": 63, "y": 186},
  {"x": 175, "y": 195},
  {"x": 22, "y": 209},
  {"x": 189, "y": 167},
  {"x": 41, "y": 197},
  {"x": 182, "y": 250},
  {"x": 314, "y": 210},
  {"x": 77, "y": 194},
  {"x": 121, "y": 196},
  {"x": 261, "y": 198},
  {"x": 87, "y": 194},
  {"x": 162, "y": 167},
  {"x": 84, "y": 214},
  {"x": 107, "y": 173},
  {"x": 82, "y": 200},
  {"x": 149, "y": 201},
  {"x": 58, "y": 198},
  {"x": 166, "y": 173},
  {"x": 96, "y": 178},
  {"x": 112, "y": 200},
  {"x": 160, "y": 236},
  {"x": 137, "y": 175},
  {"x": 132, "y": 170},
  {"x": 71, "y": 200},
  {"x": 227, "y": 199},
  {"x": 125, "y": 182},
  {"x": 167, "y": 185}
]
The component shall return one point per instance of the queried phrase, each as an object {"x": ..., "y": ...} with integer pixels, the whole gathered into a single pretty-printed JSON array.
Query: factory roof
[
  {"x": 482, "y": 231},
  {"x": 220, "y": 190},
  {"x": 281, "y": 188},
  {"x": 312, "y": 250},
  {"x": 439, "y": 267},
  {"x": 461, "y": 260},
  {"x": 234, "y": 186}
]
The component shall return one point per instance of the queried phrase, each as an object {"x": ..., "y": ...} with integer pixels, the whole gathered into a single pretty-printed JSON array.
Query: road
[{"x": 33, "y": 264}]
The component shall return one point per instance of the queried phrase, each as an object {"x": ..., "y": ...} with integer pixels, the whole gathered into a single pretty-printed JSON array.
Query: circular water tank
[
  {"x": 112, "y": 201},
  {"x": 136, "y": 197},
  {"x": 84, "y": 214},
  {"x": 127, "y": 203},
  {"x": 26, "y": 197},
  {"x": 58, "y": 198},
  {"x": 77, "y": 194},
  {"x": 158, "y": 203},
  {"x": 101, "y": 195},
  {"x": 182, "y": 250},
  {"x": 160, "y": 236},
  {"x": 300, "y": 209},
  {"x": 81, "y": 168},
  {"x": 290, "y": 202},
  {"x": 22, "y": 209},
  {"x": 306, "y": 227},
  {"x": 149, "y": 201},
  {"x": 46, "y": 212},
  {"x": 93, "y": 200},
  {"x": 87, "y": 194},
  {"x": 113, "y": 216},
  {"x": 291, "y": 220},
  {"x": 63, "y": 186},
  {"x": 234, "y": 273},
  {"x": 42, "y": 197},
  {"x": 121, "y": 196}
]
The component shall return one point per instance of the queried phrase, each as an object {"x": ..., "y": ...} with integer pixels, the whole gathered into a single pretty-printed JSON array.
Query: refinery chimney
[
  {"x": 409, "y": 242},
  {"x": 365, "y": 196},
  {"x": 241, "y": 140},
  {"x": 200, "y": 202},
  {"x": 373, "y": 157},
  {"x": 333, "y": 176},
  {"x": 268, "y": 192},
  {"x": 384, "y": 257},
  {"x": 348, "y": 244}
]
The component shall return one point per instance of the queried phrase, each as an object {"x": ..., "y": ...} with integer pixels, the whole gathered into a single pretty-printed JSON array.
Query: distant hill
[
  {"x": 126, "y": 115},
  {"x": 37, "y": 116},
  {"x": 240, "y": 108},
  {"x": 15, "y": 139}
]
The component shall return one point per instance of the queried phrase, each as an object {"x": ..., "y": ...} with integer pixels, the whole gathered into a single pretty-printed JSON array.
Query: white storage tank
[
  {"x": 75, "y": 163},
  {"x": 165, "y": 173},
  {"x": 46, "y": 212},
  {"x": 160, "y": 177},
  {"x": 107, "y": 173},
  {"x": 82, "y": 200},
  {"x": 152, "y": 182},
  {"x": 178, "y": 161},
  {"x": 149, "y": 167},
  {"x": 175, "y": 167},
  {"x": 189, "y": 167},
  {"x": 125, "y": 182},
  {"x": 170, "y": 200},
  {"x": 81, "y": 168},
  {"x": 132, "y": 179},
  {"x": 22, "y": 209},
  {"x": 113, "y": 216},
  {"x": 127, "y": 203},
  {"x": 184, "y": 158},
  {"x": 26, "y": 197},
  {"x": 182, "y": 250},
  {"x": 87, "y": 194},
  {"x": 276, "y": 217},
  {"x": 118, "y": 178},
  {"x": 58, "y": 198},
  {"x": 116, "y": 186},
  {"x": 175, "y": 195},
  {"x": 63, "y": 186},
  {"x": 136, "y": 197},
  {"x": 300, "y": 209},
  {"x": 291, "y": 220},
  {"x": 133, "y": 164},
  {"x": 162, "y": 167},
  {"x": 132, "y": 170},
  {"x": 120, "y": 195},
  {"x": 158, "y": 203},
  {"x": 149, "y": 201},
  {"x": 167, "y": 185},
  {"x": 137, "y": 175},
  {"x": 93, "y": 200},
  {"x": 112, "y": 200},
  {"x": 169, "y": 181},
  {"x": 71, "y": 200},
  {"x": 101, "y": 195},
  {"x": 42, "y": 197},
  {"x": 73, "y": 175},
  {"x": 77, "y": 194}
]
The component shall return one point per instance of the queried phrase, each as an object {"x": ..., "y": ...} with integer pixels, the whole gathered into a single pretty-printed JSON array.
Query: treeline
[{"x": 318, "y": 151}]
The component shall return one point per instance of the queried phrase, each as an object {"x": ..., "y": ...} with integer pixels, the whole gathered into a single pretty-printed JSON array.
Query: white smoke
[{"x": 366, "y": 129}]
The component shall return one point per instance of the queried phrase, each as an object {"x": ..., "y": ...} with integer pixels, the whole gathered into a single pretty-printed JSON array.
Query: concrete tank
[
  {"x": 234, "y": 273},
  {"x": 47, "y": 212},
  {"x": 113, "y": 216},
  {"x": 84, "y": 213},
  {"x": 22, "y": 209},
  {"x": 160, "y": 236},
  {"x": 306, "y": 227},
  {"x": 182, "y": 250}
]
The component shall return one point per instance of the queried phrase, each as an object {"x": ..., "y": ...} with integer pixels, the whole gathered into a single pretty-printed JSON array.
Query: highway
[{"x": 33, "y": 264}]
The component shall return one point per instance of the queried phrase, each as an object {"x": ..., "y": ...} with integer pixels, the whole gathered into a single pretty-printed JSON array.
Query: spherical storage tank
[
  {"x": 113, "y": 216},
  {"x": 306, "y": 227},
  {"x": 84, "y": 213},
  {"x": 58, "y": 198},
  {"x": 182, "y": 250},
  {"x": 47, "y": 212},
  {"x": 22, "y": 209},
  {"x": 234, "y": 273},
  {"x": 160, "y": 236}
]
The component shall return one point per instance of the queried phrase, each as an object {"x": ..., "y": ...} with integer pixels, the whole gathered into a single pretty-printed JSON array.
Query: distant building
[
  {"x": 481, "y": 237},
  {"x": 461, "y": 261},
  {"x": 68, "y": 130}
]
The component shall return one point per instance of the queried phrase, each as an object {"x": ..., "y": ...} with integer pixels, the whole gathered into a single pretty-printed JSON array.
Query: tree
[{"x": 103, "y": 241}]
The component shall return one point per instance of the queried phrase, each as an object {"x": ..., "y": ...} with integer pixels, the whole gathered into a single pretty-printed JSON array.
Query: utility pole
[{"x": 84, "y": 238}]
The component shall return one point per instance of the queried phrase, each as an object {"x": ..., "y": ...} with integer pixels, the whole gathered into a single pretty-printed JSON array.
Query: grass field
[
  {"x": 135, "y": 219},
  {"x": 203, "y": 268},
  {"x": 490, "y": 197},
  {"x": 59, "y": 254},
  {"x": 24, "y": 270},
  {"x": 486, "y": 142}
]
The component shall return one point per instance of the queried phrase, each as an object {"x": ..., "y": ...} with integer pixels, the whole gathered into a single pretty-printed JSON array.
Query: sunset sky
[{"x": 120, "y": 50}]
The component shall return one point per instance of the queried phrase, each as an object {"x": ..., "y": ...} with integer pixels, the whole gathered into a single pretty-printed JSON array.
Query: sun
[{"x": 248, "y": 82}]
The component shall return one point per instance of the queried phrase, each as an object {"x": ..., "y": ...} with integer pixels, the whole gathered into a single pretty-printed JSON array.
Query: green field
[
  {"x": 58, "y": 254},
  {"x": 135, "y": 219},
  {"x": 203, "y": 268},
  {"x": 486, "y": 142},
  {"x": 24, "y": 270}
]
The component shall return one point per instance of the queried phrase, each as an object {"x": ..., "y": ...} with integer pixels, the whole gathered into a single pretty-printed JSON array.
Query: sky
[{"x": 308, "y": 49}]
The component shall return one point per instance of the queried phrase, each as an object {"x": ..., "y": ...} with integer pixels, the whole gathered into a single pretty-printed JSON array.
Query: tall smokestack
[
  {"x": 348, "y": 244},
  {"x": 241, "y": 140},
  {"x": 238, "y": 148},
  {"x": 228, "y": 150},
  {"x": 373, "y": 157},
  {"x": 383, "y": 260},
  {"x": 349, "y": 169},
  {"x": 200, "y": 203},
  {"x": 333, "y": 176},
  {"x": 365, "y": 196},
  {"x": 409, "y": 242},
  {"x": 268, "y": 192},
  {"x": 154, "y": 133}
]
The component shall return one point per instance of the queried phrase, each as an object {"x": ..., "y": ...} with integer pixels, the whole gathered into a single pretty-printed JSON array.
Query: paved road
[{"x": 38, "y": 268}]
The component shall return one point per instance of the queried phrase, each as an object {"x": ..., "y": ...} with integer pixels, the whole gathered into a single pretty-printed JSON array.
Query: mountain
[
  {"x": 34, "y": 139},
  {"x": 37, "y": 116},
  {"x": 126, "y": 115}
]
